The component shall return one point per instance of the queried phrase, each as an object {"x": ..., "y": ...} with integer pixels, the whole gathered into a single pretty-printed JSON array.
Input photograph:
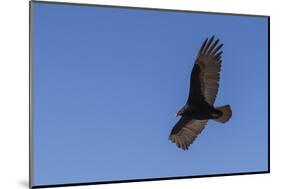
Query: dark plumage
[{"x": 204, "y": 85}]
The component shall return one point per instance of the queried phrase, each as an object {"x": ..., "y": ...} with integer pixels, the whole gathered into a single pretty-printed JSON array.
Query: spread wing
[
  {"x": 185, "y": 132},
  {"x": 205, "y": 76}
]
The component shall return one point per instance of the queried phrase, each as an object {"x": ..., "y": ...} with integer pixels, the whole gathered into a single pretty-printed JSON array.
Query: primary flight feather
[{"x": 204, "y": 85}]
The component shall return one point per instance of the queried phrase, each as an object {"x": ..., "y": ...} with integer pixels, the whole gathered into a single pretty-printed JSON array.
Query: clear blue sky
[{"x": 108, "y": 82}]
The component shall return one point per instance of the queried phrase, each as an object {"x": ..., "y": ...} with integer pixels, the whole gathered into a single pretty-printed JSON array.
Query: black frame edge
[
  {"x": 148, "y": 179},
  {"x": 268, "y": 79},
  {"x": 146, "y": 8},
  {"x": 30, "y": 183}
]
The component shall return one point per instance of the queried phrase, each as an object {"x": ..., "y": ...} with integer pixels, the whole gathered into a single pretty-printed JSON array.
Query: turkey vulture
[{"x": 199, "y": 108}]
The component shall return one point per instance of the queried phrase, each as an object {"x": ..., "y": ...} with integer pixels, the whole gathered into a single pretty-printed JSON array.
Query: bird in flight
[{"x": 204, "y": 85}]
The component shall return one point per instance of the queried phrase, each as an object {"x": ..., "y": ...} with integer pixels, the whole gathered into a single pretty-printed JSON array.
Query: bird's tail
[{"x": 226, "y": 113}]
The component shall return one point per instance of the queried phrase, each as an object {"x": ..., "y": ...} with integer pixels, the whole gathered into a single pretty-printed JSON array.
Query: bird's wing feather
[
  {"x": 195, "y": 93},
  {"x": 186, "y": 131},
  {"x": 205, "y": 76}
]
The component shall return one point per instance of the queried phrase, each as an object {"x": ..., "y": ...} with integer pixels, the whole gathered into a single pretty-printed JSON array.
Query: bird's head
[{"x": 181, "y": 111}]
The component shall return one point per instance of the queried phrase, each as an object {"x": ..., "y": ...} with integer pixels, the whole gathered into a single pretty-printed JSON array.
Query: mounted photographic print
[{"x": 122, "y": 94}]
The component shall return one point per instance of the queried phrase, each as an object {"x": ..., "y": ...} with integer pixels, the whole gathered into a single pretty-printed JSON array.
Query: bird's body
[
  {"x": 202, "y": 113},
  {"x": 199, "y": 108}
]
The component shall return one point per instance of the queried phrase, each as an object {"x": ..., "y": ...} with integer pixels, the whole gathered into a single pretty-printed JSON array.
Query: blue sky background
[{"x": 108, "y": 81}]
